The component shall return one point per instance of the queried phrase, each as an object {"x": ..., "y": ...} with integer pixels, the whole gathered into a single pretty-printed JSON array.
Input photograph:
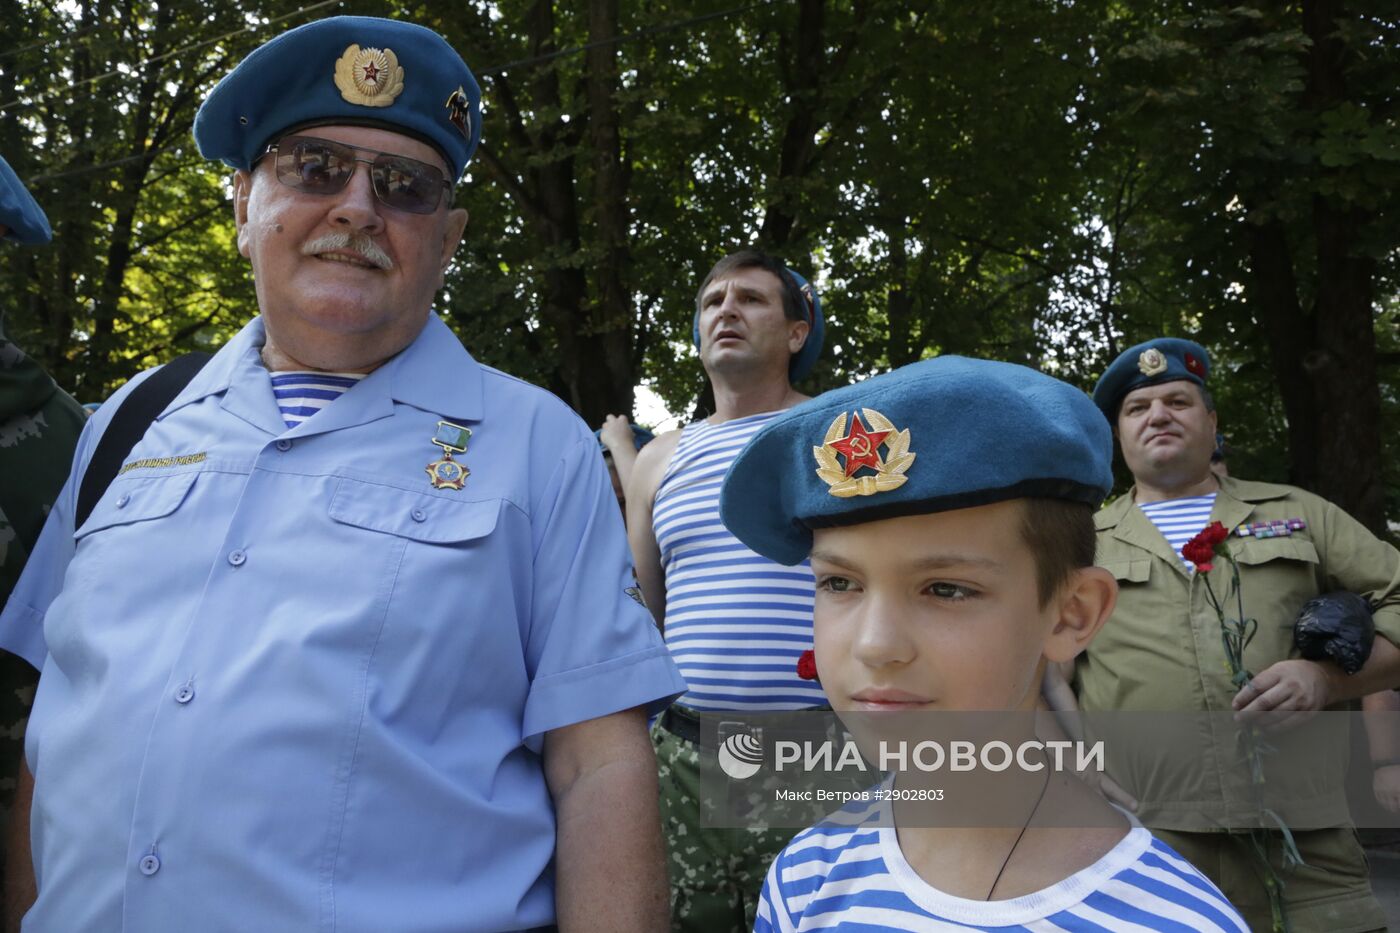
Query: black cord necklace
[{"x": 1019, "y": 836}]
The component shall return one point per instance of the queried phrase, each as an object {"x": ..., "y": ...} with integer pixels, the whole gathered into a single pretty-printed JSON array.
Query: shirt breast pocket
[
  {"x": 1277, "y": 575},
  {"x": 432, "y": 551},
  {"x": 133, "y": 500},
  {"x": 415, "y": 516},
  {"x": 439, "y": 579},
  {"x": 1129, "y": 571}
]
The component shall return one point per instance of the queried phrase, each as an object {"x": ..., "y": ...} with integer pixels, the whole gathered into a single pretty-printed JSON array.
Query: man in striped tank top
[
  {"x": 735, "y": 622},
  {"x": 1162, "y": 649}
]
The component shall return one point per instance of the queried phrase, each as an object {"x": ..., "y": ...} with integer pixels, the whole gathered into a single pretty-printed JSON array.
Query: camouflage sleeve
[{"x": 22, "y": 620}]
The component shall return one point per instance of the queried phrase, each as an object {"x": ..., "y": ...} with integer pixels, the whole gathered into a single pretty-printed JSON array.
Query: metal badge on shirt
[{"x": 444, "y": 472}]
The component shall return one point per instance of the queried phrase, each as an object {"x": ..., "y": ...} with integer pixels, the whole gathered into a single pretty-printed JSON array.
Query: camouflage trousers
[{"x": 716, "y": 874}]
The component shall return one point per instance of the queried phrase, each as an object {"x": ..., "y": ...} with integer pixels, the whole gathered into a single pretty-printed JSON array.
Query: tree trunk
[
  {"x": 608, "y": 373},
  {"x": 1274, "y": 297},
  {"x": 1341, "y": 366},
  {"x": 99, "y": 368},
  {"x": 803, "y": 61}
]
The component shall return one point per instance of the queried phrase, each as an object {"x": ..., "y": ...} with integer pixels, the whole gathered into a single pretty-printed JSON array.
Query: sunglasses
[{"x": 320, "y": 166}]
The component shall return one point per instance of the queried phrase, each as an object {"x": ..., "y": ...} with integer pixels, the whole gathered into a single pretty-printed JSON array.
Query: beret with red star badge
[{"x": 941, "y": 434}]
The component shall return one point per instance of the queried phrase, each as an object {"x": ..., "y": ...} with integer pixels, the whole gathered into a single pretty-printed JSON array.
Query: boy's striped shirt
[{"x": 851, "y": 877}]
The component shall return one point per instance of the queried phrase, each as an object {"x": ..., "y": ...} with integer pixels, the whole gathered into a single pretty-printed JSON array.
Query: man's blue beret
[
  {"x": 1166, "y": 359},
  {"x": 942, "y": 434},
  {"x": 805, "y": 359},
  {"x": 355, "y": 70},
  {"x": 20, "y": 212}
]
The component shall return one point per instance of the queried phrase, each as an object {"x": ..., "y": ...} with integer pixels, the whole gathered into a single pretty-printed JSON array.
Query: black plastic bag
[{"x": 1336, "y": 626}]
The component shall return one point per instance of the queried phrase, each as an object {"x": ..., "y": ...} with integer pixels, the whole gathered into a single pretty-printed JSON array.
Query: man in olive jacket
[{"x": 1162, "y": 648}]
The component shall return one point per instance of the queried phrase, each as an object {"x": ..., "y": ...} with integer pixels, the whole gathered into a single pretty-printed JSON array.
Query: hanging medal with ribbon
[{"x": 444, "y": 472}]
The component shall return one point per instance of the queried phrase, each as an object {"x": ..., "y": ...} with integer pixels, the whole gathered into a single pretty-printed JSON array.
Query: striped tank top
[
  {"x": 300, "y": 394},
  {"x": 736, "y": 622},
  {"x": 1180, "y": 520}
]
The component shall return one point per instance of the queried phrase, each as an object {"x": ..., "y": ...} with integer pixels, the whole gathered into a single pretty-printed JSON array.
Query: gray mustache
[{"x": 357, "y": 242}]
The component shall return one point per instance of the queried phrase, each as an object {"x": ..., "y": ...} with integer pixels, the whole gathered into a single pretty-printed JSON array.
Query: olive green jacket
[{"x": 1162, "y": 651}]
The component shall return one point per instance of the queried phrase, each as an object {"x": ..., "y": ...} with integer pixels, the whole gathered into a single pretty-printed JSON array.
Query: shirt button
[
  {"x": 121, "y": 503},
  {"x": 150, "y": 864},
  {"x": 418, "y": 515},
  {"x": 237, "y": 558},
  {"x": 284, "y": 445},
  {"x": 184, "y": 693}
]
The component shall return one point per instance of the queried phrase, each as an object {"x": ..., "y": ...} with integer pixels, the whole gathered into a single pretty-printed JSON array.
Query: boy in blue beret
[{"x": 947, "y": 509}]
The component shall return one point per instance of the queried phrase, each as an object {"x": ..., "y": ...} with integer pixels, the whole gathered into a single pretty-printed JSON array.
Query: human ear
[
  {"x": 1083, "y": 605},
  {"x": 452, "y": 235},
  {"x": 242, "y": 187},
  {"x": 797, "y": 335}
]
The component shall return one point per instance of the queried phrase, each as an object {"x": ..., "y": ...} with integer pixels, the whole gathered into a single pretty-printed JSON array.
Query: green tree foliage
[
  {"x": 1043, "y": 182},
  {"x": 1263, "y": 144},
  {"x": 100, "y": 101}
]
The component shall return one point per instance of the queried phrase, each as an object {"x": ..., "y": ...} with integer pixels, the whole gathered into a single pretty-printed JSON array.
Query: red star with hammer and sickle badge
[
  {"x": 860, "y": 447},
  {"x": 371, "y": 73}
]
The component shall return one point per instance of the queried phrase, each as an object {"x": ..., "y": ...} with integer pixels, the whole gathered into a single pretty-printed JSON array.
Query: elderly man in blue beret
[
  {"x": 1162, "y": 648},
  {"x": 39, "y": 426},
  {"x": 346, "y": 644}
]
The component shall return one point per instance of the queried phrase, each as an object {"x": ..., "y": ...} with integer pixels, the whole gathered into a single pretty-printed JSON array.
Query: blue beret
[
  {"x": 1166, "y": 359},
  {"x": 955, "y": 433},
  {"x": 802, "y": 362},
  {"x": 356, "y": 70},
  {"x": 20, "y": 212}
]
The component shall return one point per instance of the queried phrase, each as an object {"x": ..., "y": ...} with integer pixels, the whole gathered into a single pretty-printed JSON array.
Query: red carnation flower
[
  {"x": 1200, "y": 554},
  {"x": 807, "y": 665},
  {"x": 1201, "y": 550},
  {"x": 1215, "y": 533}
]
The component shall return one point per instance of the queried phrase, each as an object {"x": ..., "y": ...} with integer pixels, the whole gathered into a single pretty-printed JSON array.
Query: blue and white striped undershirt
[
  {"x": 301, "y": 394},
  {"x": 854, "y": 877},
  {"x": 1180, "y": 520},
  {"x": 736, "y": 622}
]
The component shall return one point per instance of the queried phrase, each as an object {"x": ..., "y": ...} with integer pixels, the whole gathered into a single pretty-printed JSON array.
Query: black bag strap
[{"x": 135, "y": 414}]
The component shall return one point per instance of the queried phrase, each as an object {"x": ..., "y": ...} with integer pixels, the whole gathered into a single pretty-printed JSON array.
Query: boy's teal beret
[
  {"x": 355, "y": 70},
  {"x": 942, "y": 434},
  {"x": 1166, "y": 359},
  {"x": 20, "y": 212}
]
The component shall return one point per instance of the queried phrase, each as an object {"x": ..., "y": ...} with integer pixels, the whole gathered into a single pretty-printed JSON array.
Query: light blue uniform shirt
[{"x": 288, "y": 685}]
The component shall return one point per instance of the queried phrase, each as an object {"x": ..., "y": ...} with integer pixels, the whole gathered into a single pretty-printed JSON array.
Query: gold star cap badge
[
  {"x": 1151, "y": 362},
  {"x": 369, "y": 77},
  {"x": 861, "y": 448}
]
